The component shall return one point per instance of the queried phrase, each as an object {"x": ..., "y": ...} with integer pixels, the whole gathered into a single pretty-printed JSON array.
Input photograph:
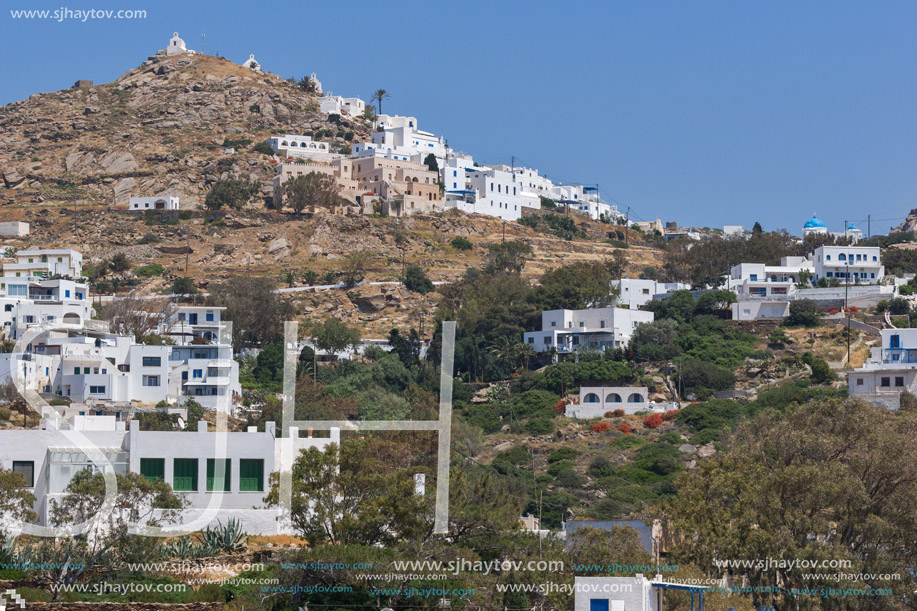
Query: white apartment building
[
  {"x": 229, "y": 473},
  {"x": 401, "y": 139},
  {"x": 566, "y": 331},
  {"x": 14, "y": 228},
  {"x": 487, "y": 190},
  {"x": 301, "y": 147},
  {"x": 165, "y": 202},
  {"x": 336, "y": 105},
  {"x": 757, "y": 280},
  {"x": 586, "y": 200},
  {"x": 45, "y": 263},
  {"x": 635, "y": 292},
  {"x": 890, "y": 369},
  {"x": 201, "y": 363},
  {"x": 856, "y": 264}
]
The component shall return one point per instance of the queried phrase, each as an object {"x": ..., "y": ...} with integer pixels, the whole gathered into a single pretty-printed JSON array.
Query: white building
[
  {"x": 45, "y": 263},
  {"x": 629, "y": 593},
  {"x": 301, "y": 147},
  {"x": 201, "y": 363},
  {"x": 567, "y": 331},
  {"x": 757, "y": 309},
  {"x": 252, "y": 63},
  {"x": 336, "y": 105},
  {"x": 635, "y": 292},
  {"x": 814, "y": 226},
  {"x": 858, "y": 264},
  {"x": 487, "y": 190},
  {"x": 228, "y": 472},
  {"x": 733, "y": 231},
  {"x": 176, "y": 46},
  {"x": 890, "y": 369},
  {"x": 399, "y": 138},
  {"x": 757, "y": 280},
  {"x": 586, "y": 200},
  {"x": 316, "y": 84},
  {"x": 164, "y": 202},
  {"x": 596, "y": 401},
  {"x": 14, "y": 228}
]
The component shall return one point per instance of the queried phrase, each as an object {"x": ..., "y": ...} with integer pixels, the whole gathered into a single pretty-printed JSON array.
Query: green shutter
[
  {"x": 184, "y": 478},
  {"x": 153, "y": 468},
  {"x": 251, "y": 475},
  {"x": 218, "y": 482}
]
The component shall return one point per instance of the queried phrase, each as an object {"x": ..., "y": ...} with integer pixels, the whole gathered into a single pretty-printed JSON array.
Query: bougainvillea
[
  {"x": 600, "y": 427},
  {"x": 560, "y": 406},
  {"x": 670, "y": 415},
  {"x": 652, "y": 421},
  {"x": 624, "y": 428}
]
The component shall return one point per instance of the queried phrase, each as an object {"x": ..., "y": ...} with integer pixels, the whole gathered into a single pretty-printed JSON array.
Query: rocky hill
[
  {"x": 909, "y": 224},
  {"x": 163, "y": 127},
  {"x": 71, "y": 159}
]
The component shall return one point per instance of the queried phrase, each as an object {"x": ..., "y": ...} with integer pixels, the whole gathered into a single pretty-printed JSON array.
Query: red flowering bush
[
  {"x": 618, "y": 413},
  {"x": 670, "y": 415},
  {"x": 624, "y": 428},
  {"x": 560, "y": 406},
  {"x": 652, "y": 421},
  {"x": 600, "y": 427}
]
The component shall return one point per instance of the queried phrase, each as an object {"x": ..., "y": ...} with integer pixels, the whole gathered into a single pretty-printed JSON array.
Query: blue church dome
[
  {"x": 814, "y": 222},
  {"x": 853, "y": 227}
]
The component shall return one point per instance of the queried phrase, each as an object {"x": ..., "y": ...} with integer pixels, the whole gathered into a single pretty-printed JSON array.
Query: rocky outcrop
[{"x": 909, "y": 225}]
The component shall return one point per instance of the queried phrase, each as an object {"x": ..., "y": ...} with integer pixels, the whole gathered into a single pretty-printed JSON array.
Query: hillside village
[{"x": 619, "y": 388}]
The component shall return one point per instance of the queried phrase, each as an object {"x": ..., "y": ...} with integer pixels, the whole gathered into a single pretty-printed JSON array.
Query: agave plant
[
  {"x": 183, "y": 547},
  {"x": 226, "y": 538}
]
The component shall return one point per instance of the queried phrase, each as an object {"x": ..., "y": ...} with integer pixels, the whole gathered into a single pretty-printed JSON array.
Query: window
[
  {"x": 184, "y": 478},
  {"x": 67, "y": 293},
  {"x": 27, "y": 468},
  {"x": 753, "y": 277},
  {"x": 899, "y": 381},
  {"x": 251, "y": 475},
  {"x": 153, "y": 468},
  {"x": 209, "y": 316},
  {"x": 218, "y": 474},
  {"x": 152, "y": 361},
  {"x": 151, "y": 380},
  {"x": 96, "y": 390},
  {"x": 86, "y": 370},
  {"x": 646, "y": 291},
  {"x": 198, "y": 373},
  {"x": 885, "y": 382},
  {"x": 531, "y": 340},
  {"x": 547, "y": 340},
  {"x": 76, "y": 371}
]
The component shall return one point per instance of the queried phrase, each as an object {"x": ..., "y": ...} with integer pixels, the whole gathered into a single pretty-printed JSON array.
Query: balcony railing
[{"x": 903, "y": 356}]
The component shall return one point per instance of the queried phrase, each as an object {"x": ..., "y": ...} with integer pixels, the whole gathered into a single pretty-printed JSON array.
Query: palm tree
[
  {"x": 290, "y": 278},
  {"x": 505, "y": 351},
  {"x": 378, "y": 96},
  {"x": 310, "y": 277}
]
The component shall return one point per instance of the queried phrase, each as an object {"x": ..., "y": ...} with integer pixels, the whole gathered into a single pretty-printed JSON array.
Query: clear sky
[{"x": 702, "y": 112}]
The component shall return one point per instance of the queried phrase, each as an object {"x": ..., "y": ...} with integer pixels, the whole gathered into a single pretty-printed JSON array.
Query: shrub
[
  {"x": 150, "y": 238},
  {"x": 778, "y": 338},
  {"x": 461, "y": 243},
  {"x": 652, "y": 421},
  {"x": 600, "y": 427},
  {"x": 264, "y": 148},
  {"x": 539, "y": 426},
  {"x": 600, "y": 467},
  {"x": 5, "y": 413},
  {"x": 803, "y": 313},
  {"x": 625, "y": 428},
  {"x": 618, "y": 413},
  {"x": 563, "y": 454},
  {"x": 560, "y": 407},
  {"x": 416, "y": 281},
  {"x": 670, "y": 415},
  {"x": 148, "y": 271}
]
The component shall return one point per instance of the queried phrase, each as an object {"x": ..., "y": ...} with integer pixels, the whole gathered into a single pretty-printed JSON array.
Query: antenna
[{"x": 202, "y": 43}]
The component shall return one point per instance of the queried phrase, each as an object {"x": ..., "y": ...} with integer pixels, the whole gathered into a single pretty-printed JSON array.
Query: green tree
[
  {"x": 461, "y": 243},
  {"x": 605, "y": 548},
  {"x": 269, "y": 364},
  {"x": 575, "y": 287},
  {"x": 349, "y": 495},
  {"x": 415, "y": 280},
  {"x": 333, "y": 336},
  {"x": 803, "y": 313},
  {"x": 256, "y": 311},
  {"x": 379, "y": 95},
  {"x": 354, "y": 267},
  {"x": 233, "y": 193},
  {"x": 509, "y": 256},
  {"x": 654, "y": 341},
  {"x": 119, "y": 263},
  {"x": 830, "y": 481},
  {"x": 16, "y": 500},
  {"x": 315, "y": 189},
  {"x": 310, "y": 277},
  {"x": 431, "y": 162},
  {"x": 183, "y": 285}
]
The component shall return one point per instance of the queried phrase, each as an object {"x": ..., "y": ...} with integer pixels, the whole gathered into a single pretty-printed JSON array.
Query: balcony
[{"x": 899, "y": 356}]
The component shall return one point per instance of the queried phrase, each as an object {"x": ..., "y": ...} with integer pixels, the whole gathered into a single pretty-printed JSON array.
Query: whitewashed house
[
  {"x": 176, "y": 47},
  {"x": 302, "y": 147},
  {"x": 890, "y": 369},
  {"x": 164, "y": 202},
  {"x": 45, "y": 263},
  {"x": 14, "y": 228},
  {"x": 336, "y": 105},
  {"x": 227, "y": 472},
  {"x": 596, "y": 401},
  {"x": 856, "y": 264},
  {"x": 629, "y": 593},
  {"x": 635, "y": 292},
  {"x": 566, "y": 331},
  {"x": 399, "y": 138}
]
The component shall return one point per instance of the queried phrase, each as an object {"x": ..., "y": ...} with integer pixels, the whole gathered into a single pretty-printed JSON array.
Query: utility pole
[
  {"x": 846, "y": 312},
  {"x": 504, "y": 232},
  {"x": 626, "y": 225},
  {"x": 868, "y": 226},
  {"x": 202, "y": 43}
]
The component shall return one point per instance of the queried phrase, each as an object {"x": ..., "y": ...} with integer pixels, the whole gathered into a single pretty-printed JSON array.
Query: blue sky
[{"x": 706, "y": 113}]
